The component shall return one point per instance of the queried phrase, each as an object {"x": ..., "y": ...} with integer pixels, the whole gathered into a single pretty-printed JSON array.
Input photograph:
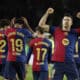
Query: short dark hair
[
  {"x": 4, "y": 22},
  {"x": 19, "y": 21},
  {"x": 41, "y": 30},
  {"x": 68, "y": 15}
]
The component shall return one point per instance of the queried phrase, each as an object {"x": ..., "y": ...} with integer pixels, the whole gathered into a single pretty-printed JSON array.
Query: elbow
[{"x": 40, "y": 24}]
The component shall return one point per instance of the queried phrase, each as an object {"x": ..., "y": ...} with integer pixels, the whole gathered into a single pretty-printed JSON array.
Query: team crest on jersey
[{"x": 65, "y": 42}]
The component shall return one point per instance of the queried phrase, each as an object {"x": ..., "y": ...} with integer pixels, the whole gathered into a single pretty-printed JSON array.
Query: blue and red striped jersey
[
  {"x": 17, "y": 39},
  {"x": 64, "y": 44},
  {"x": 3, "y": 47},
  {"x": 41, "y": 49}
]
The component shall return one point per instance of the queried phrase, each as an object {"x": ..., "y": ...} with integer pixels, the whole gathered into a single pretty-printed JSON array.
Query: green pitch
[{"x": 29, "y": 74}]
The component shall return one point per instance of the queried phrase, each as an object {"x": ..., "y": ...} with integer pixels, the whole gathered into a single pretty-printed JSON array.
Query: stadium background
[{"x": 34, "y": 9}]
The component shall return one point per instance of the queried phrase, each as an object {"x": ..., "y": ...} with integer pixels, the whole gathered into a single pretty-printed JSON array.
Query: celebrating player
[
  {"x": 65, "y": 39},
  {"x": 17, "y": 37},
  {"x": 3, "y": 45},
  {"x": 41, "y": 48}
]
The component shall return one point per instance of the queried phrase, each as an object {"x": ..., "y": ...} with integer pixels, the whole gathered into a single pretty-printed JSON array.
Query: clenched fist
[{"x": 50, "y": 10}]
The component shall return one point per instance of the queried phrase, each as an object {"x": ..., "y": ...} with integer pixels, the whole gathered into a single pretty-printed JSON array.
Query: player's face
[
  {"x": 66, "y": 23},
  {"x": 18, "y": 25}
]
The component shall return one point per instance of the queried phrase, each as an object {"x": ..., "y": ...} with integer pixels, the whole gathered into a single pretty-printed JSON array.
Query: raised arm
[
  {"x": 13, "y": 21},
  {"x": 42, "y": 22},
  {"x": 27, "y": 24}
]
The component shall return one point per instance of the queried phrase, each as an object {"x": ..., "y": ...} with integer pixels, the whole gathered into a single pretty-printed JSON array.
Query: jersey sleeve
[
  {"x": 52, "y": 29},
  {"x": 28, "y": 34},
  {"x": 50, "y": 52}
]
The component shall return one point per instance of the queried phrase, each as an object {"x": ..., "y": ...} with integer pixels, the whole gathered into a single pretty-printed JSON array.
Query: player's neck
[{"x": 65, "y": 33}]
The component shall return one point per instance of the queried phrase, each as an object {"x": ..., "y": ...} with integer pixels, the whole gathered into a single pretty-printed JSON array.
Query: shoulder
[
  {"x": 52, "y": 29},
  {"x": 48, "y": 41},
  {"x": 73, "y": 31},
  {"x": 33, "y": 41}
]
